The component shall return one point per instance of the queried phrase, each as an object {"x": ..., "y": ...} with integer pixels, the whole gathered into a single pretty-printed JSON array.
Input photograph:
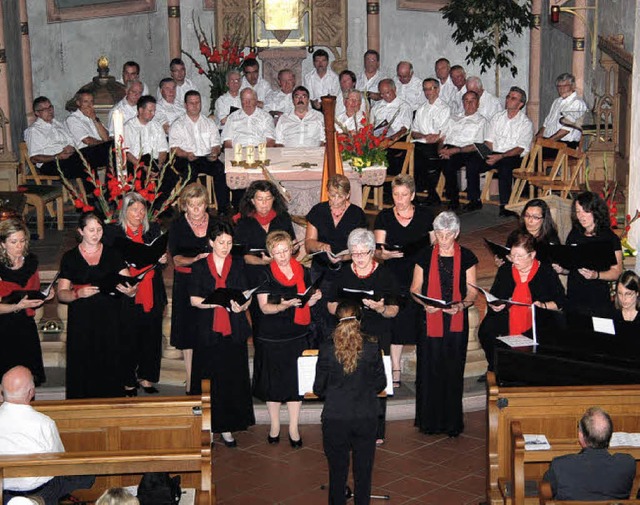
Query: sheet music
[
  {"x": 623, "y": 439},
  {"x": 536, "y": 443},
  {"x": 603, "y": 325},
  {"x": 533, "y": 324},
  {"x": 517, "y": 341},
  {"x": 307, "y": 374}
]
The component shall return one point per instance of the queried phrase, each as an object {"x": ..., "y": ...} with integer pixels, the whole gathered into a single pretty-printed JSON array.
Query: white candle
[
  {"x": 250, "y": 154},
  {"x": 262, "y": 151},
  {"x": 118, "y": 138},
  {"x": 237, "y": 153}
]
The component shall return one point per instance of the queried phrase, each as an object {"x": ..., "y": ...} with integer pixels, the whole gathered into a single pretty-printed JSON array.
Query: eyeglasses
[
  {"x": 531, "y": 216},
  {"x": 361, "y": 254},
  {"x": 518, "y": 257}
]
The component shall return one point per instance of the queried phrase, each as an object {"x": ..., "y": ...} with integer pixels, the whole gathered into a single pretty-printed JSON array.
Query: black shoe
[
  {"x": 131, "y": 392},
  {"x": 229, "y": 443},
  {"x": 295, "y": 443},
  {"x": 150, "y": 390},
  {"x": 473, "y": 205},
  {"x": 507, "y": 213},
  {"x": 454, "y": 205},
  {"x": 273, "y": 440}
]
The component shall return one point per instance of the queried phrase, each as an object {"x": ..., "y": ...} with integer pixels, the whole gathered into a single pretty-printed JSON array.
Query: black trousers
[
  {"x": 199, "y": 166},
  {"x": 55, "y": 489},
  {"x": 550, "y": 153},
  {"x": 97, "y": 156},
  {"x": 340, "y": 438},
  {"x": 427, "y": 167},
  {"x": 493, "y": 325},
  {"x": 505, "y": 169},
  {"x": 141, "y": 343},
  {"x": 452, "y": 165}
]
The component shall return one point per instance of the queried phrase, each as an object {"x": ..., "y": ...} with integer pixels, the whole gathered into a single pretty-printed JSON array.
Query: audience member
[
  {"x": 183, "y": 83},
  {"x": 128, "y": 105},
  {"x": 253, "y": 80},
  {"x": 303, "y": 127},
  {"x": 408, "y": 86},
  {"x": 593, "y": 474},
  {"x": 351, "y": 118},
  {"x": 489, "y": 105},
  {"x": 426, "y": 129},
  {"x": 84, "y": 125},
  {"x": 23, "y": 430},
  {"x": 321, "y": 80},
  {"x": 250, "y": 125},
  {"x": 130, "y": 73},
  {"x": 447, "y": 88},
  {"x": 369, "y": 79},
  {"x": 230, "y": 100},
  {"x": 280, "y": 102},
  {"x": 145, "y": 139},
  {"x": 168, "y": 109},
  {"x": 459, "y": 79},
  {"x": 347, "y": 84}
]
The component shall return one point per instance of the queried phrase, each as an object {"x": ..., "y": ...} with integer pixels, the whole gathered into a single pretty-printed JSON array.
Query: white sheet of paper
[
  {"x": 536, "y": 443},
  {"x": 603, "y": 325},
  {"x": 517, "y": 341}
]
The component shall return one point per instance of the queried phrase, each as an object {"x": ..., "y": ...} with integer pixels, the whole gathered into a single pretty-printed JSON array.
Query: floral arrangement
[
  {"x": 362, "y": 147},
  {"x": 218, "y": 61},
  {"x": 146, "y": 181},
  {"x": 627, "y": 249}
]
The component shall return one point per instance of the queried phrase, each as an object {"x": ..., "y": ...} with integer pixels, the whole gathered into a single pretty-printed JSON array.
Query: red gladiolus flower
[
  {"x": 226, "y": 43},
  {"x": 200, "y": 71},
  {"x": 627, "y": 228},
  {"x": 251, "y": 55},
  {"x": 88, "y": 208},
  {"x": 78, "y": 203},
  {"x": 628, "y": 217},
  {"x": 614, "y": 222},
  {"x": 97, "y": 192}
]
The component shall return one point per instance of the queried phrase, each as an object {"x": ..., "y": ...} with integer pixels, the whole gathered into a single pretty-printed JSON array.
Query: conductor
[{"x": 349, "y": 375}]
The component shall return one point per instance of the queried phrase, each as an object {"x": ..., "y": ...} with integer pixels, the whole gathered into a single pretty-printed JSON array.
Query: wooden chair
[
  {"x": 40, "y": 191},
  {"x": 208, "y": 183},
  {"x": 567, "y": 178},
  {"x": 377, "y": 199}
]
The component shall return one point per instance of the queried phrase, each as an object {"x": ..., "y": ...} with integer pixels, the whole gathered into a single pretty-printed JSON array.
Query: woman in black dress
[
  {"x": 94, "y": 346},
  {"x": 407, "y": 226},
  {"x": 366, "y": 274},
  {"x": 282, "y": 336},
  {"x": 188, "y": 243},
  {"x": 588, "y": 290},
  {"x": 328, "y": 226},
  {"x": 443, "y": 273},
  {"x": 221, "y": 352},
  {"x": 349, "y": 375},
  {"x": 627, "y": 299},
  {"x": 525, "y": 280},
  {"x": 19, "y": 271},
  {"x": 142, "y": 316}
]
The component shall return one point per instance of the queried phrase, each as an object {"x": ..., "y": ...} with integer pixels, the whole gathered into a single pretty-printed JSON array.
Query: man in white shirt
[
  {"x": 408, "y": 86},
  {"x": 351, "y": 118},
  {"x": 322, "y": 80},
  {"x": 195, "y": 141},
  {"x": 489, "y": 104},
  {"x": 567, "y": 109},
  {"x": 369, "y": 79},
  {"x": 128, "y": 105},
  {"x": 281, "y": 102},
  {"x": 509, "y": 134},
  {"x": 447, "y": 89},
  {"x": 426, "y": 129},
  {"x": 252, "y": 80},
  {"x": 23, "y": 430},
  {"x": 145, "y": 139},
  {"x": 168, "y": 109},
  {"x": 304, "y": 127},
  {"x": 347, "y": 81},
  {"x": 250, "y": 125},
  {"x": 397, "y": 114},
  {"x": 130, "y": 73},
  {"x": 231, "y": 99},
  {"x": 183, "y": 83},
  {"x": 459, "y": 136},
  {"x": 84, "y": 125},
  {"x": 459, "y": 79}
]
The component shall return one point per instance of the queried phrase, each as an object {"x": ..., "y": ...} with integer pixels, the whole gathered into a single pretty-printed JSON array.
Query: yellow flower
[{"x": 357, "y": 162}]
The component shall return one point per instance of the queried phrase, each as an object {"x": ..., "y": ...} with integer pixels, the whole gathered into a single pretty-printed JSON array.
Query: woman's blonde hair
[
  {"x": 339, "y": 182},
  {"x": 276, "y": 237},
  {"x": 117, "y": 496},
  {"x": 9, "y": 227},
  {"x": 193, "y": 191},
  {"x": 347, "y": 339}
]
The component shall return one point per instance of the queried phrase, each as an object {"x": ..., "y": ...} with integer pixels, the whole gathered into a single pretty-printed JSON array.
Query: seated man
[
  {"x": 195, "y": 141},
  {"x": 459, "y": 79},
  {"x": 408, "y": 86},
  {"x": 457, "y": 147},
  {"x": 128, "y": 105},
  {"x": 351, "y": 118},
  {"x": 253, "y": 80},
  {"x": 489, "y": 105},
  {"x": 321, "y": 80},
  {"x": 347, "y": 83},
  {"x": 396, "y": 114},
  {"x": 593, "y": 473},
  {"x": 566, "y": 109},
  {"x": 447, "y": 88},
  {"x": 250, "y": 125},
  {"x": 231, "y": 98},
  {"x": 130, "y": 73},
  {"x": 183, "y": 83},
  {"x": 508, "y": 136},
  {"x": 84, "y": 125},
  {"x": 280, "y": 102},
  {"x": 370, "y": 77},
  {"x": 23, "y": 430},
  {"x": 304, "y": 127},
  {"x": 426, "y": 130},
  {"x": 168, "y": 109},
  {"x": 144, "y": 137}
]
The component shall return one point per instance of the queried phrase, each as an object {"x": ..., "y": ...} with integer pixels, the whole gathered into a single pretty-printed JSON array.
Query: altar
[{"x": 299, "y": 170}]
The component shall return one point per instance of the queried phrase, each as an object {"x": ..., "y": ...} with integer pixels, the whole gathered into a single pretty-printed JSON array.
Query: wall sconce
[
  {"x": 554, "y": 17},
  {"x": 281, "y": 23}
]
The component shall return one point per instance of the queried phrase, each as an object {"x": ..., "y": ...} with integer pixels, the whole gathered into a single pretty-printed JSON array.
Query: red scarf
[
  {"x": 520, "y": 318},
  {"x": 435, "y": 321},
  {"x": 303, "y": 314},
  {"x": 33, "y": 284},
  {"x": 144, "y": 296},
  {"x": 221, "y": 320},
  {"x": 264, "y": 220}
]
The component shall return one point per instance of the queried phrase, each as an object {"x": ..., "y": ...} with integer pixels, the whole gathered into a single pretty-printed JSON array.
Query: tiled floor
[{"x": 410, "y": 467}]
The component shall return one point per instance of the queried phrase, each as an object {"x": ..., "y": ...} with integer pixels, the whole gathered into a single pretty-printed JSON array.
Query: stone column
[
  {"x": 579, "y": 30},
  {"x": 175, "y": 37},
  {"x": 4, "y": 87},
  {"x": 373, "y": 24},
  {"x": 27, "y": 77},
  {"x": 533, "y": 105}
]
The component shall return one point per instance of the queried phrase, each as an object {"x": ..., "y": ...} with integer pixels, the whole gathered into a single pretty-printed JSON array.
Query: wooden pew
[
  {"x": 118, "y": 439},
  {"x": 546, "y": 499},
  {"x": 554, "y": 411}
]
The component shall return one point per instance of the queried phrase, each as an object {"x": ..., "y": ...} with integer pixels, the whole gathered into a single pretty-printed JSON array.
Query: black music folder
[
  {"x": 498, "y": 250},
  {"x": 139, "y": 255},
  {"x": 435, "y": 302},
  {"x": 109, "y": 283},
  {"x": 409, "y": 248},
  {"x": 31, "y": 294},
  {"x": 597, "y": 255}
]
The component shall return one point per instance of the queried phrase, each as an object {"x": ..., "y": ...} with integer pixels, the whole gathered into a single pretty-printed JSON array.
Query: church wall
[{"x": 13, "y": 50}]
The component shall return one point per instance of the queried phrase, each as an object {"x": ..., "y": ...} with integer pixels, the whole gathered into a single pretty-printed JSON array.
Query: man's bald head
[
  {"x": 18, "y": 386},
  {"x": 595, "y": 429}
]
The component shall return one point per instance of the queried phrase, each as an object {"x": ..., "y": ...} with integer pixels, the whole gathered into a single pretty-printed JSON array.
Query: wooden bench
[
  {"x": 546, "y": 499},
  {"x": 118, "y": 439},
  {"x": 554, "y": 411}
]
